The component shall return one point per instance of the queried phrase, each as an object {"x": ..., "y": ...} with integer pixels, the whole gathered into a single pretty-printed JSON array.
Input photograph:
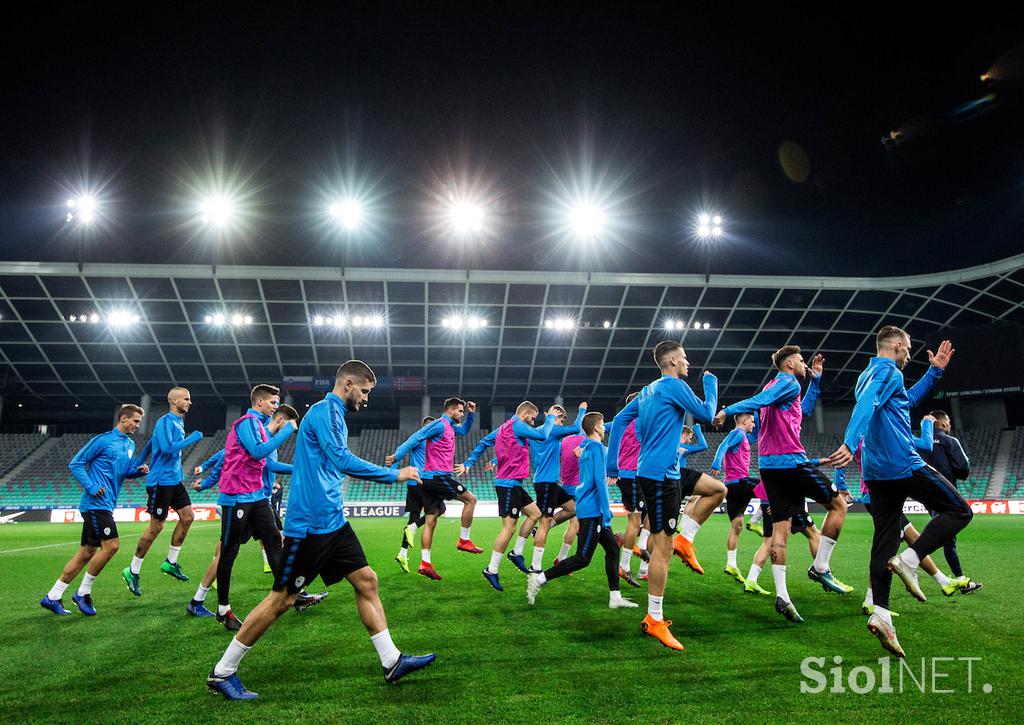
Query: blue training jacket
[
  {"x": 166, "y": 445},
  {"x": 103, "y": 463},
  {"x": 592, "y": 493},
  {"x": 322, "y": 461},
  {"x": 881, "y": 417},
  {"x": 546, "y": 455},
  {"x": 660, "y": 412}
]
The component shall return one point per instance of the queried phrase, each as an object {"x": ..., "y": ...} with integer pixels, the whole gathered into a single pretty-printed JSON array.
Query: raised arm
[
  {"x": 700, "y": 445},
  {"x": 783, "y": 391},
  {"x": 213, "y": 477},
  {"x": 430, "y": 430},
  {"x": 540, "y": 433},
  {"x": 167, "y": 437},
  {"x": 925, "y": 441},
  {"x": 729, "y": 444},
  {"x": 466, "y": 425},
  {"x": 486, "y": 442},
  {"x": 248, "y": 432},
  {"x": 211, "y": 461},
  {"x": 811, "y": 397}
]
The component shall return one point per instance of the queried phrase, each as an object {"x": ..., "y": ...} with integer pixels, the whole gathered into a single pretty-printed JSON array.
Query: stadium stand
[{"x": 44, "y": 479}]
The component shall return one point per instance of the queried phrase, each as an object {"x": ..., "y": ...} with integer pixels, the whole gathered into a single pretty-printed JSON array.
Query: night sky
[{"x": 651, "y": 107}]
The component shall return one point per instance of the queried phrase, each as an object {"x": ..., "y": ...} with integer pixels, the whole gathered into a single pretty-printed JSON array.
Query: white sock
[
  {"x": 172, "y": 554},
  {"x": 755, "y": 572},
  {"x": 538, "y": 558},
  {"x": 689, "y": 528},
  {"x": 136, "y": 565},
  {"x": 758, "y": 514},
  {"x": 201, "y": 593},
  {"x": 884, "y": 613},
  {"x": 564, "y": 551},
  {"x": 265, "y": 559},
  {"x": 403, "y": 553},
  {"x": 520, "y": 545},
  {"x": 58, "y": 590},
  {"x": 779, "y": 575},
  {"x": 223, "y": 609},
  {"x": 495, "y": 562},
  {"x": 386, "y": 649},
  {"x": 614, "y": 596},
  {"x": 824, "y": 552},
  {"x": 413, "y": 526},
  {"x": 541, "y": 579},
  {"x": 654, "y": 607},
  {"x": 464, "y": 532},
  {"x": 909, "y": 556},
  {"x": 228, "y": 664},
  {"x": 86, "y": 586},
  {"x": 730, "y": 557},
  {"x": 625, "y": 559},
  {"x": 643, "y": 567},
  {"x": 869, "y": 598},
  {"x": 938, "y": 576},
  {"x": 425, "y": 556},
  {"x": 645, "y": 534}
]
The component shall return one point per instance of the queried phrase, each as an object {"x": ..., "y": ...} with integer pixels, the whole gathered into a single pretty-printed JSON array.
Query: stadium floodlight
[
  {"x": 707, "y": 325},
  {"x": 330, "y": 321},
  {"x": 94, "y": 318},
  {"x": 208, "y": 319},
  {"x": 465, "y": 217},
  {"x": 318, "y": 320},
  {"x": 248, "y": 319},
  {"x": 606, "y": 324},
  {"x": 587, "y": 220},
  {"x": 81, "y": 209},
  {"x": 560, "y": 323},
  {"x": 339, "y": 321},
  {"x": 696, "y": 325},
  {"x": 348, "y": 213},
  {"x": 217, "y": 210},
  {"x": 237, "y": 319},
  {"x": 709, "y": 226},
  {"x": 376, "y": 321},
  {"x": 219, "y": 319},
  {"x": 357, "y": 321},
  {"x": 121, "y": 318}
]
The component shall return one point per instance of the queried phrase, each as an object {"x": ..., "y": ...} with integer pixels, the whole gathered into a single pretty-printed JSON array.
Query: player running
[
  {"x": 732, "y": 460},
  {"x": 894, "y": 472},
  {"x": 413, "y": 500},
  {"x": 439, "y": 482},
  {"x": 100, "y": 467},
  {"x": 166, "y": 490},
  {"x": 546, "y": 457},
  {"x": 788, "y": 476},
  {"x": 659, "y": 411},
  {"x": 594, "y": 512},
  {"x": 511, "y": 442},
  {"x": 318, "y": 539}
]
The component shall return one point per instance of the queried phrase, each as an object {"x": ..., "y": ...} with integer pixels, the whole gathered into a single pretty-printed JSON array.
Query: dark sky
[{"x": 662, "y": 109}]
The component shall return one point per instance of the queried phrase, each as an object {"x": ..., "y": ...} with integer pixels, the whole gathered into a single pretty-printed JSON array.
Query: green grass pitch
[{"x": 568, "y": 659}]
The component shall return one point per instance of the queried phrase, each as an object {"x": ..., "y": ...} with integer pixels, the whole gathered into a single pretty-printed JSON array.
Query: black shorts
[
  {"x": 331, "y": 556},
  {"x": 164, "y": 498},
  {"x": 550, "y": 496},
  {"x": 688, "y": 481},
  {"x": 738, "y": 495},
  {"x": 800, "y": 522},
  {"x": 98, "y": 527},
  {"x": 663, "y": 499},
  {"x": 413, "y": 500},
  {"x": 511, "y": 500},
  {"x": 788, "y": 487},
  {"x": 438, "y": 490},
  {"x": 244, "y": 521},
  {"x": 632, "y": 498}
]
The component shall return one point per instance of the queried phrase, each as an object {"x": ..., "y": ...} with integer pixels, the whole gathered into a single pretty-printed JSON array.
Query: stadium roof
[{"x": 514, "y": 355}]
